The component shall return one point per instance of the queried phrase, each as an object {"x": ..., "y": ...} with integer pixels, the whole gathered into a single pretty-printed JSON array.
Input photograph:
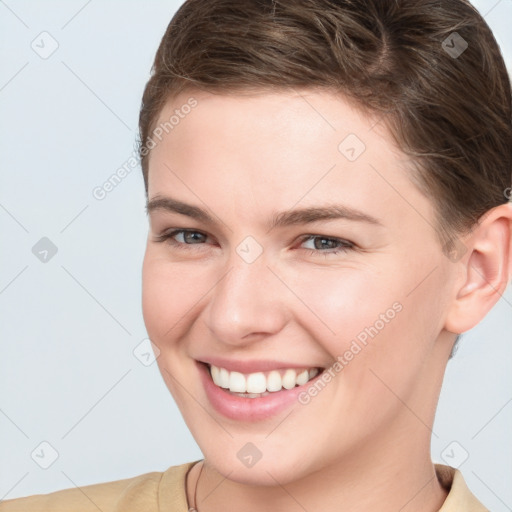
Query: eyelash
[{"x": 344, "y": 247}]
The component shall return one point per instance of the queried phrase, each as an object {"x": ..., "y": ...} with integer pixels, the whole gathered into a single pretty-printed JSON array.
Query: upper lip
[{"x": 260, "y": 365}]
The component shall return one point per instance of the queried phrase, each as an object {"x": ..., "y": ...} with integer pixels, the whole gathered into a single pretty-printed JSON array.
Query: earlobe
[{"x": 488, "y": 269}]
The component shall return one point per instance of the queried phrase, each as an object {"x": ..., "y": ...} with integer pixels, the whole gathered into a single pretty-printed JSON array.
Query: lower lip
[{"x": 248, "y": 409}]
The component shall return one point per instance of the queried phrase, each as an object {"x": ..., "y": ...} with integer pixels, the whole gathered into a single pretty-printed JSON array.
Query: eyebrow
[{"x": 280, "y": 219}]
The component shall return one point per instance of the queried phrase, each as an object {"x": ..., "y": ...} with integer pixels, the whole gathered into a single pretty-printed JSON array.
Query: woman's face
[{"x": 306, "y": 245}]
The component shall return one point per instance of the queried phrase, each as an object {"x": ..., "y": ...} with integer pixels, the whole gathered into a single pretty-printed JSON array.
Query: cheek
[
  {"x": 168, "y": 301},
  {"x": 171, "y": 294},
  {"x": 164, "y": 297},
  {"x": 347, "y": 304},
  {"x": 371, "y": 320}
]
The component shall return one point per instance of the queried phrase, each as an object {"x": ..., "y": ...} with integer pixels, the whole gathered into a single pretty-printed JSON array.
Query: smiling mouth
[{"x": 260, "y": 384}]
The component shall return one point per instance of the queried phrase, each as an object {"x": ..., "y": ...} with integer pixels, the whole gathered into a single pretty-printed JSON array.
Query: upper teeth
[{"x": 260, "y": 382}]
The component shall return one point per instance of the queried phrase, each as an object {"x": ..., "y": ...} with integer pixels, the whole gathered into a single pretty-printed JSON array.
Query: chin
[{"x": 267, "y": 471}]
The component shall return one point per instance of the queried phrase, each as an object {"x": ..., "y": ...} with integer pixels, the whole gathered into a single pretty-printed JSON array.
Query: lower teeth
[{"x": 249, "y": 395}]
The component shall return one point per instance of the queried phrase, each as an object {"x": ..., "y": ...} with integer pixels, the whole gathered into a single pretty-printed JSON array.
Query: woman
[{"x": 328, "y": 191}]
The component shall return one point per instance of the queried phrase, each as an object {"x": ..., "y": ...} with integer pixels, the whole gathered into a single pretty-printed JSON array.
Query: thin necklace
[{"x": 193, "y": 507}]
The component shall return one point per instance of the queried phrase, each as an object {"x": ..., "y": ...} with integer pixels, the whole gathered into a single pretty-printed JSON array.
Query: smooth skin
[{"x": 363, "y": 443}]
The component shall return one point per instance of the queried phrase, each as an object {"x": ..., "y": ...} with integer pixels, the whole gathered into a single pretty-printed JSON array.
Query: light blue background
[{"x": 69, "y": 326}]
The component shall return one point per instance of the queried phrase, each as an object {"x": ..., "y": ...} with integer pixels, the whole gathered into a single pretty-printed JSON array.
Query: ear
[{"x": 487, "y": 270}]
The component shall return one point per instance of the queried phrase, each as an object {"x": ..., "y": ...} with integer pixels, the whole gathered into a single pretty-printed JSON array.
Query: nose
[{"x": 247, "y": 304}]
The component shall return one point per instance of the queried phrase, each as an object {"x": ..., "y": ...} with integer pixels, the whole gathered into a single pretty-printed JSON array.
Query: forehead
[{"x": 287, "y": 147}]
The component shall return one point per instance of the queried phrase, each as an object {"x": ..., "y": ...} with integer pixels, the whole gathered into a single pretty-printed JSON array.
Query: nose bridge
[{"x": 246, "y": 300}]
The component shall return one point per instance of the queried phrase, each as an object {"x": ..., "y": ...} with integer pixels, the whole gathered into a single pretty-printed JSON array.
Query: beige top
[{"x": 165, "y": 492}]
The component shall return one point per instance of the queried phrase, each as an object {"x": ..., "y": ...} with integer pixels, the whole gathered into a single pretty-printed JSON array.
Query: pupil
[
  {"x": 191, "y": 237},
  {"x": 323, "y": 245}
]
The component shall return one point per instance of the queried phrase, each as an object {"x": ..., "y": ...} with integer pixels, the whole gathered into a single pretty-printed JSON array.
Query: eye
[
  {"x": 327, "y": 245},
  {"x": 188, "y": 237},
  {"x": 181, "y": 238}
]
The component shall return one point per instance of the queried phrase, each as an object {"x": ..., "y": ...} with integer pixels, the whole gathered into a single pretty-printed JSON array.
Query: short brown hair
[{"x": 449, "y": 110}]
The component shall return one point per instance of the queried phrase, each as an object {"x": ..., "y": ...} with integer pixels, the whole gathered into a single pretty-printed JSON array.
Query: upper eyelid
[
  {"x": 326, "y": 237},
  {"x": 302, "y": 238},
  {"x": 344, "y": 244},
  {"x": 170, "y": 233}
]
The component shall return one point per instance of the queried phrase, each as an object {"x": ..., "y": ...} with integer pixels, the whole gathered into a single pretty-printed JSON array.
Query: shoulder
[
  {"x": 142, "y": 492},
  {"x": 459, "y": 496}
]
